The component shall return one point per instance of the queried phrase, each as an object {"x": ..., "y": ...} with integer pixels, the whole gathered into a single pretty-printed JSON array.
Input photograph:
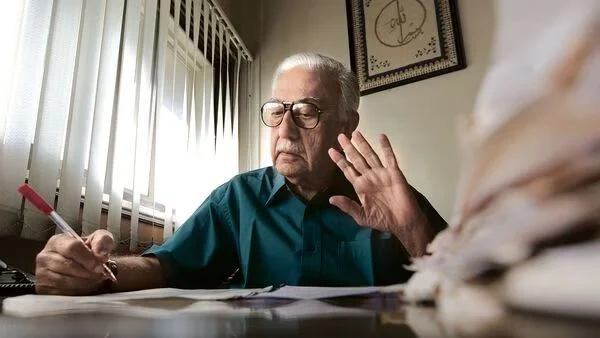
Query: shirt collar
[
  {"x": 278, "y": 185},
  {"x": 340, "y": 186}
]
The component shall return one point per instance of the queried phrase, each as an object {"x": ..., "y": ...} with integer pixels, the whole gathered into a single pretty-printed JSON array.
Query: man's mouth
[{"x": 288, "y": 155}]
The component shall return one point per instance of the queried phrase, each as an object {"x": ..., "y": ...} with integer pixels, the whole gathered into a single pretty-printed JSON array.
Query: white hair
[{"x": 346, "y": 79}]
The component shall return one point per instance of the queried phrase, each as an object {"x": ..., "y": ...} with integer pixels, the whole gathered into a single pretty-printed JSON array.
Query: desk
[{"x": 358, "y": 317}]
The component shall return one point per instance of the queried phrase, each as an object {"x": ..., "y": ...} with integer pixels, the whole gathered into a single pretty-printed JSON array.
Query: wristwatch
[
  {"x": 108, "y": 286},
  {"x": 112, "y": 266}
]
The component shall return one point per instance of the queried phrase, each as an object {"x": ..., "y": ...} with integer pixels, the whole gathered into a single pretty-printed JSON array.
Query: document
[
  {"x": 195, "y": 294},
  {"x": 41, "y": 305}
]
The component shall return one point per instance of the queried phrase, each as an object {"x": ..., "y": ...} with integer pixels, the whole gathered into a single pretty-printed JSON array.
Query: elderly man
[{"x": 314, "y": 218}]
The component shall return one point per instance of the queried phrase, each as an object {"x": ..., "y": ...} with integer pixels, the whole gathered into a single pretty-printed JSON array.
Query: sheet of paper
[
  {"x": 196, "y": 294},
  {"x": 155, "y": 302},
  {"x": 39, "y": 305}
]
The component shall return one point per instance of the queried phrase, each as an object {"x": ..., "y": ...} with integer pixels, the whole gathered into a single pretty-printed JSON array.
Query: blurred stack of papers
[{"x": 526, "y": 226}]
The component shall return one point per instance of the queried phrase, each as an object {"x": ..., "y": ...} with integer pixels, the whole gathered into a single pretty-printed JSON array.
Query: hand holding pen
[{"x": 70, "y": 264}]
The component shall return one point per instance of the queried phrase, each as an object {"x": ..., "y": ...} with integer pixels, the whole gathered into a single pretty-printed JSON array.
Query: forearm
[
  {"x": 137, "y": 273},
  {"x": 416, "y": 236}
]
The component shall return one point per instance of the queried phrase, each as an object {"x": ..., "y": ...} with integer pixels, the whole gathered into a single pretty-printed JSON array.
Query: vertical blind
[{"x": 117, "y": 107}]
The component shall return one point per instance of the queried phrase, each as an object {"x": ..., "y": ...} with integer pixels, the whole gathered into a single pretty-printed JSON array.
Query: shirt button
[{"x": 310, "y": 247}]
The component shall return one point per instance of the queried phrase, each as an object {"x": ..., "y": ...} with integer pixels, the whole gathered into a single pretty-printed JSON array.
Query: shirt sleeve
[
  {"x": 436, "y": 221},
  {"x": 201, "y": 253}
]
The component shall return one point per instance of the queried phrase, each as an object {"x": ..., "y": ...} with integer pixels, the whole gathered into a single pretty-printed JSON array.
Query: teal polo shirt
[{"x": 256, "y": 226}]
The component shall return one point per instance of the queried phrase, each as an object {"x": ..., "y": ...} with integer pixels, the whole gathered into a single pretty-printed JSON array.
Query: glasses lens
[
  {"x": 306, "y": 115},
  {"x": 272, "y": 113}
]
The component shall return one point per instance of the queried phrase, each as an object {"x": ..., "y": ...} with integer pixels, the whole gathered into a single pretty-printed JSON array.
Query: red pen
[{"x": 40, "y": 203}]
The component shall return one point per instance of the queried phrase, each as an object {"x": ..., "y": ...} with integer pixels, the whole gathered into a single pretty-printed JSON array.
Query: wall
[
  {"x": 242, "y": 14},
  {"x": 419, "y": 118}
]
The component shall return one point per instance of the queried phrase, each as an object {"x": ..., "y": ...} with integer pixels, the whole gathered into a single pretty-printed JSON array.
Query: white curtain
[{"x": 121, "y": 107}]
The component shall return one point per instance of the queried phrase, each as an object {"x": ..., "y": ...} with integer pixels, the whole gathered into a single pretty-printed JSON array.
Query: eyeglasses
[{"x": 304, "y": 114}]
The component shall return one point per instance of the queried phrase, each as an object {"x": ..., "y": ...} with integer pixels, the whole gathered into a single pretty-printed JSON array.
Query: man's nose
[{"x": 287, "y": 128}]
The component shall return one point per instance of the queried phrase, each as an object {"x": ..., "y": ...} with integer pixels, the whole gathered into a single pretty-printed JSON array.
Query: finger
[
  {"x": 353, "y": 155},
  {"x": 388, "y": 152},
  {"x": 74, "y": 249},
  {"x": 64, "y": 266},
  {"x": 366, "y": 150},
  {"x": 344, "y": 165},
  {"x": 52, "y": 283},
  {"x": 348, "y": 206},
  {"x": 102, "y": 244}
]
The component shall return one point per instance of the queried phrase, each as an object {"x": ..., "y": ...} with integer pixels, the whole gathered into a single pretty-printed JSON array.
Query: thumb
[
  {"x": 101, "y": 243},
  {"x": 348, "y": 206}
]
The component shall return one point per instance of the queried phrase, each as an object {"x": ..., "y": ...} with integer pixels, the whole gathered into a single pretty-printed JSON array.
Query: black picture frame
[{"x": 385, "y": 35}]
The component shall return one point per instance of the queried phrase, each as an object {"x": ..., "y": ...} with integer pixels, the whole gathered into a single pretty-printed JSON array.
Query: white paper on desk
[
  {"x": 317, "y": 292},
  {"x": 210, "y": 301},
  {"x": 42, "y": 305},
  {"x": 196, "y": 294}
]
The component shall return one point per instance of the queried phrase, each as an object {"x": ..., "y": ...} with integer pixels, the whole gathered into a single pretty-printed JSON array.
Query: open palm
[{"x": 386, "y": 201}]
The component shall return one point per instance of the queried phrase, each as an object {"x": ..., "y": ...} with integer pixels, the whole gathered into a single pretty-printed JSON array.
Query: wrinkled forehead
[{"x": 300, "y": 82}]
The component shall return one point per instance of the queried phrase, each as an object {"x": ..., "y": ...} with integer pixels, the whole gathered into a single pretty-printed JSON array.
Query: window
[{"x": 112, "y": 104}]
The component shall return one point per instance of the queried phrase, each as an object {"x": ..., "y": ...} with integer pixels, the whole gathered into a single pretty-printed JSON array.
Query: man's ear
[{"x": 351, "y": 123}]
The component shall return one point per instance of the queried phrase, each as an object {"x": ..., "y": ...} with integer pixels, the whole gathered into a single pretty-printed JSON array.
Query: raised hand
[{"x": 386, "y": 201}]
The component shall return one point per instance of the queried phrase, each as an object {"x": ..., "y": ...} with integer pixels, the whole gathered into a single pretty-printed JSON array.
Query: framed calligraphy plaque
[{"x": 395, "y": 42}]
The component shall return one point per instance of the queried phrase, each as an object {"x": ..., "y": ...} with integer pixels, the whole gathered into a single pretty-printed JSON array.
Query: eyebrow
[{"x": 310, "y": 99}]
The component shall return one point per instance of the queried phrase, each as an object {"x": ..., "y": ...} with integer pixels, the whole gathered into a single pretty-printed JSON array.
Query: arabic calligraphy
[{"x": 400, "y": 22}]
